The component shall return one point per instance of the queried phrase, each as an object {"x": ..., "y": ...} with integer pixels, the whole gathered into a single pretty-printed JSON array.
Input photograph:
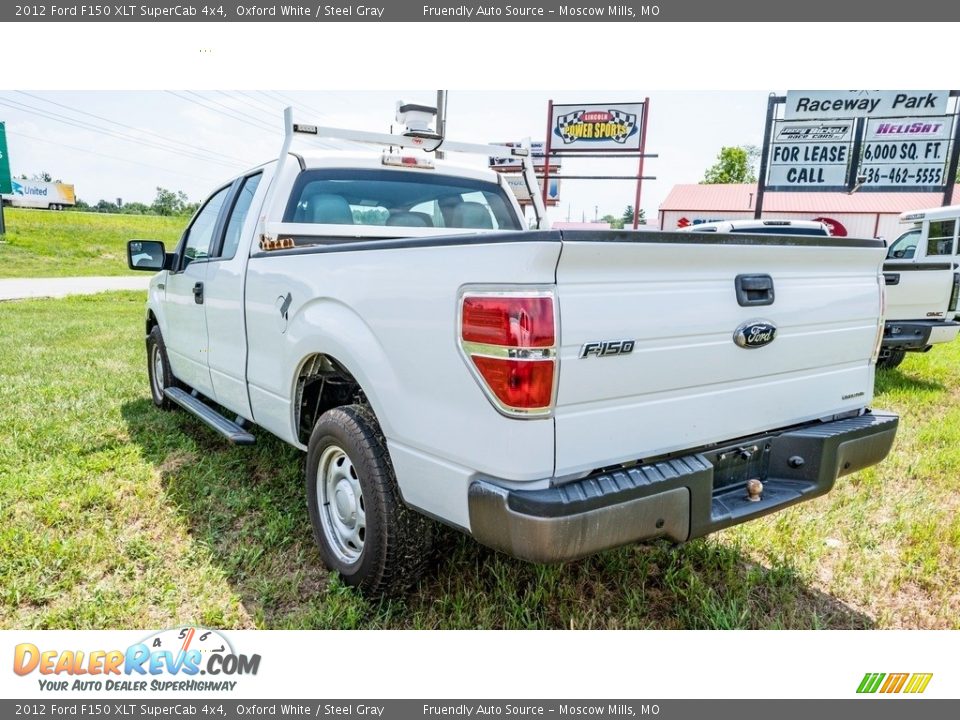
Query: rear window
[
  {"x": 398, "y": 199},
  {"x": 940, "y": 237}
]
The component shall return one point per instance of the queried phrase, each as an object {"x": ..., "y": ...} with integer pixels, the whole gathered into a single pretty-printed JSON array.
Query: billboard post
[
  {"x": 954, "y": 154},
  {"x": 5, "y": 186},
  {"x": 643, "y": 150}
]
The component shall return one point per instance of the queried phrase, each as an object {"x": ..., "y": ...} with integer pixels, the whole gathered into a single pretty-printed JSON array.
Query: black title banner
[
  {"x": 222, "y": 709},
  {"x": 420, "y": 11}
]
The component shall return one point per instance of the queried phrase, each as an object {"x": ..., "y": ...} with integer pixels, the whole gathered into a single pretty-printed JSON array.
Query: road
[{"x": 20, "y": 288}]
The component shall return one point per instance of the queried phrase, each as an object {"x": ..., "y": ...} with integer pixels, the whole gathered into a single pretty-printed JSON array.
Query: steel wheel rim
[
  {"x": 156, "y": 362},
  {"x": 340, "y": 501}
]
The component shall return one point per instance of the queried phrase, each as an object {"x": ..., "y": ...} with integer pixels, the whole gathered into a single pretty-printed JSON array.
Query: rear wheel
[
  {"x": 158, "y": 369},
  {"x": 891, "y": 359},
  {"x": 361, "y": 525}
]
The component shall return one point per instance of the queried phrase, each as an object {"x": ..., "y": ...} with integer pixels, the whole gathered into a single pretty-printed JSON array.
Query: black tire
[
  {"x": 387, "y": 555},
  {"x": 158, "y": 369},
  {"x": 892, "y": 359}
]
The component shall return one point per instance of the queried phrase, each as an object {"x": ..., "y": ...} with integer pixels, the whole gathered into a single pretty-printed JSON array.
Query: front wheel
[
  {"x": 892, "y": 359},
  {"x": 361, "y": 525},
  {"x": 158, "y": 369}
]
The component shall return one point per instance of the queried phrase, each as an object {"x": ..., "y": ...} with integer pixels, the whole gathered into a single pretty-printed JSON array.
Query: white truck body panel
[
  {"x": 918, "y": 294},
  {"x": 686, "y": 383}
]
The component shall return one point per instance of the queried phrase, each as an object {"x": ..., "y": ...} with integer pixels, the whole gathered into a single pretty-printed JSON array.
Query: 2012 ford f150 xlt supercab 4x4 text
[{"x": 553, "y": 394}]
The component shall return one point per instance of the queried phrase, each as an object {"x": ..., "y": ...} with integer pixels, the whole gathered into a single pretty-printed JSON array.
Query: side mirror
[{"x": 149, "y": 255}]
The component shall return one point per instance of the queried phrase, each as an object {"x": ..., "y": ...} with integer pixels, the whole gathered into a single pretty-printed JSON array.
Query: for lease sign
[
  {"x": 810, "y": 154},
  {"x": 826, "y": 104}
]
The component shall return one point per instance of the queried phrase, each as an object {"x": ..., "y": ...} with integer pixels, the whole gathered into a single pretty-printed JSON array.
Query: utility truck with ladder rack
[
  {"x": 551, "y": 393},
  {"x": 922, "y": 274}
]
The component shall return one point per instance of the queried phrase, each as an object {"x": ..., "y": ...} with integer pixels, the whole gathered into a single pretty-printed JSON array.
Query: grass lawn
[
  {"x": 116, "y": 515},
  {"x": 42, "y": 243}
]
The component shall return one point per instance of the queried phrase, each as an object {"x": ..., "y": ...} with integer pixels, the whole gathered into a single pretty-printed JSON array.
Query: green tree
[
  {"x": 614, "y": 222},
  {"x": 136, "y": 208},
  {"x": 626, "y": 220},
  {"x": 734, "y": 165},
  {"x": 105, "y": 206},
  {"x": 170, "y": 202}
]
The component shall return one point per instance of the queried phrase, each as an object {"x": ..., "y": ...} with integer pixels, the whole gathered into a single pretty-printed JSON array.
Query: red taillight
[
  {"x": 510, "y": 339},
  {"x": 509, "y": 321},
  {"x": 519, "y": 384}
]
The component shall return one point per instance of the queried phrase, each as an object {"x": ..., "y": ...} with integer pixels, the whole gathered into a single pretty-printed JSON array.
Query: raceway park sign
[
  {"x": 827, "y": 104},
  {"x": 607, "y": 126}
]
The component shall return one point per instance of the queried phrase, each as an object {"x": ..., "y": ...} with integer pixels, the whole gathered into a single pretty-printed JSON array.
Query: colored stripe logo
[{"x": 912, "y": 683}]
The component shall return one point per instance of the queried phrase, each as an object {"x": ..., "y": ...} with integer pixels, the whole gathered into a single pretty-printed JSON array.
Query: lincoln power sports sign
[{"x": 600, "y": 126}]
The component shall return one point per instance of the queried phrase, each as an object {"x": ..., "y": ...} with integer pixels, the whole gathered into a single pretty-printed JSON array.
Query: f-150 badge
[
  {"x": 606, "y": 348},
  {"x": 754, "y": 334}
]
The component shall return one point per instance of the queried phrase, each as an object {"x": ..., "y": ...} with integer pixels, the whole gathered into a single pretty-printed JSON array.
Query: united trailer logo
[
  {"x": 596, "y": 125},
  {"x": 892, "y": 683}
]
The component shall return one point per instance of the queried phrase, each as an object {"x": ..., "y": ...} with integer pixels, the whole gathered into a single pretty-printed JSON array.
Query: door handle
[
  {"x": 198, "y": 293},
  {"x": 891, "y": 278},
  {"x": 754, "y": 290}
]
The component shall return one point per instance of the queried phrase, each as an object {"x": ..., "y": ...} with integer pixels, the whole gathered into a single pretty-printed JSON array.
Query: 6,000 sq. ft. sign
[{"x": 906, "y": 151}]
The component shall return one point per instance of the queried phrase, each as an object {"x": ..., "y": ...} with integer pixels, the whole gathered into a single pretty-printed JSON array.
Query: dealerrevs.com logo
[
  {"x": 181, "y": 659},
  {"x": 893, "y": 683}
]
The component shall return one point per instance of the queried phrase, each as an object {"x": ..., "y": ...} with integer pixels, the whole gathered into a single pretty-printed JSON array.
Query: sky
[{"x": 123, "y": 144}]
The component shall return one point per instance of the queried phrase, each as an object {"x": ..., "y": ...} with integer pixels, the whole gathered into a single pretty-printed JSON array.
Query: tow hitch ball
[{"x": 754, "y": 490}]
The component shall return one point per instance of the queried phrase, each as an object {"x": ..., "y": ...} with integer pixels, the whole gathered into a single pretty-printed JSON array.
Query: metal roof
[{"x": 742, "y": 198}]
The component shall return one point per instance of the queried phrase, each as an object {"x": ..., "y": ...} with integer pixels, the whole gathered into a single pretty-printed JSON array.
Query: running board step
[{"x": 199, "y": 409}]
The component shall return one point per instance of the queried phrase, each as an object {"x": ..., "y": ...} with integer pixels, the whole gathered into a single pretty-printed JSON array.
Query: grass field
[
  {"x": 115, "y": 514},
  {"x": 42, "y": 243}
]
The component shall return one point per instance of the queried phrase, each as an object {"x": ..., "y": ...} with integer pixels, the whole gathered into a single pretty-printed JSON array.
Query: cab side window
[
  {"x": 940, "y": 237},
  {"x": 200, "y": 233},
  {"x": 238, "y": 216},
  {"x": 905, "y": 246}
]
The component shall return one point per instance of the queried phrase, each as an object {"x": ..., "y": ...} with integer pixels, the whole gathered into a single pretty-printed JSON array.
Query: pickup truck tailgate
[{"x": 686, "y": 383}]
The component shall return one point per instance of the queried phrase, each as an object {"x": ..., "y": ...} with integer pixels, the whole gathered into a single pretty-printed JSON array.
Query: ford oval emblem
[{"x": 755, "y": 333}]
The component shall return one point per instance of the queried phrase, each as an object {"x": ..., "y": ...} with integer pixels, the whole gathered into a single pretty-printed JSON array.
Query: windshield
[
  {"x": 905, "y": 246},
  {"x": 400, "y": 199}
]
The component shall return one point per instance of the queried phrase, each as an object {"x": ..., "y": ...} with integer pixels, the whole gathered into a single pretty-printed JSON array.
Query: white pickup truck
[
  {"x": 923, "y": 284},
  {"x": 553, "y": 394}
]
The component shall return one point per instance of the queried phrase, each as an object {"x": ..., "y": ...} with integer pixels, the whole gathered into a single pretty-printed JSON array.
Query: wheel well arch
[
  {"x": 322, "y": 383},
  {"x": 151, "y": 321}
]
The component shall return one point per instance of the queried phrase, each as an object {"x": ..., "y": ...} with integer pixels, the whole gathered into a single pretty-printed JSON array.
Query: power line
[
  {"x": 74, "y": 122},
  {"x": 131, "y": 127},
  {"x": 111, "y": 157}
]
